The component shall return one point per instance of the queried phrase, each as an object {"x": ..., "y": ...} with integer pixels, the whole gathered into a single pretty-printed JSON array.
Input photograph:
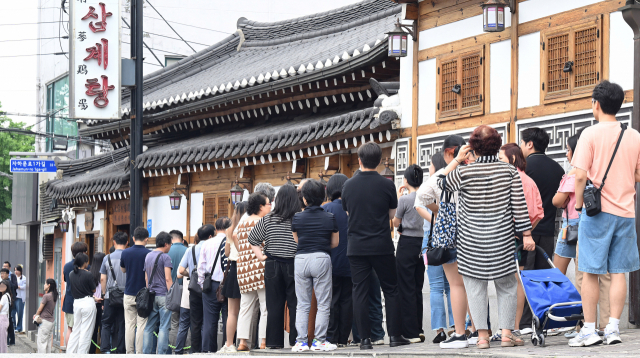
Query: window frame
[
  {"x": 572, "y": 92},
  {"x": 460, "y": 112}
]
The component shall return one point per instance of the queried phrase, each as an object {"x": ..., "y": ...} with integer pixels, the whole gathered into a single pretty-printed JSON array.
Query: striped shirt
[
  {"x": 491, "y": 208},
  {"x": 276, "y": 235}
]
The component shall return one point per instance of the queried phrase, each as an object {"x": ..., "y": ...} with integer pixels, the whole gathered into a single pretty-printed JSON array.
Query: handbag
[
  {"x": 443, "y": 233},
  {"x": 116, "y": 294},
  {"x": 436, "y": 256},
  {"x": 219, "y": 292},
  {"x": 174, "y": 297},
  {"x": 207, "y": 285},
  {"x": 571, "y": 231},
  {"x": 145, "y": 297},
  {"x": 592, "y": 195},
  {"x": 193, "y": 277}
]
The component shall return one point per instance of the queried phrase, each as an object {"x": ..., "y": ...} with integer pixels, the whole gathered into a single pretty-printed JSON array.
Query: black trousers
[
  {"x": 11, "y": 335},
  {"x": 410, "y": 281},
  {"x": 280, "y": 287},
  {"x": 532, "y": 260},
  {"x": 96, "y": 329},
  {"x": 341, "y": 316},
  {"x": 197, "y": 315},
  {"x": 112, "y": 333},
  {"x": 385, "y": 268}
]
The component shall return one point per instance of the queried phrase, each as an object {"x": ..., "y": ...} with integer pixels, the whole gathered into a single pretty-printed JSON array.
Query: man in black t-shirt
[
  {"x": 370, "y": 200},
  {"x": 547, "y": 174}
]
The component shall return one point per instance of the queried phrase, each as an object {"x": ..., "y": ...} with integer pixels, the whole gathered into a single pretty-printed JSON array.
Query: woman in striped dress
[{"x": 491, "y": 208}]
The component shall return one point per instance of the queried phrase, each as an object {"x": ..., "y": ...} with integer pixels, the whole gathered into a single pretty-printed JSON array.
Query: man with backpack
[
  {"x": 113, "y": 315},
  {"x": 607, "y": 239}
]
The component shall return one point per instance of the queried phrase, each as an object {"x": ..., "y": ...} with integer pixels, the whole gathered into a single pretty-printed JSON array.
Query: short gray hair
[{"x": 267, "y": 189}]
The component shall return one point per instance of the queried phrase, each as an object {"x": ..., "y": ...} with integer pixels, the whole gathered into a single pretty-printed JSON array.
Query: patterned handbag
[{"x": 445, "y": 229}]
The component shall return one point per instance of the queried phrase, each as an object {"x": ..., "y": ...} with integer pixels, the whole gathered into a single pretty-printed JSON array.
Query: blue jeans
[
  {"x": 212, "y": 311},
  {"x": 20, "y": 311},
  {"x": 160, "y": 318},
  {"x": 438, "y": 286},
  {"x": 183, "y": 329},
  {"x": 375, "y": 311}
]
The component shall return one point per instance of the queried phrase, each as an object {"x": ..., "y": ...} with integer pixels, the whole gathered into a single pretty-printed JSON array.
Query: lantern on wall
[
  {"x": 398, "y": 39},
  {"x": 236, "y": 193},
  {"x": 493, "y": 15},
  {"x": 386, "y": 172},
  {"x": 64, "y": 226},
  {"x": 175, "y": 198}
]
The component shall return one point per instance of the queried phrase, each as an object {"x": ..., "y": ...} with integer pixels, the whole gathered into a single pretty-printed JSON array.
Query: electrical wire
[
  {"x": 37, "y": 54},
  {"x": 32, "y": 23},
  {"x": 159, "y": 50},
  {"x": 173, "y": 38},
  {"x": 3, "y": 113},
  {"x": 59, "y": 26},
  {"x": 41, "y": 38},
  {"x": 197, "y": 27},
  {"x": 52, "y": 135},
  {"x": 145, "y": 44},
  {"x": 176, "y": 32}
]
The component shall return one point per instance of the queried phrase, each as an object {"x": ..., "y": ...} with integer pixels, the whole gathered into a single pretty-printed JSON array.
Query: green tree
[{"x": 10, "y": 142}]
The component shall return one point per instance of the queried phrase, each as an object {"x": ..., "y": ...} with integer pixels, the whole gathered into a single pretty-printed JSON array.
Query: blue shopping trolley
[{"x": 554, "y": 300}]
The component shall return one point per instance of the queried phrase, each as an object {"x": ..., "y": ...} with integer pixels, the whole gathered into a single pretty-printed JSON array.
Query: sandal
[
  {"x": 243, "y": 348},
  {"x": 484, "y": 345},
  {"x": 512, "y": 341}
]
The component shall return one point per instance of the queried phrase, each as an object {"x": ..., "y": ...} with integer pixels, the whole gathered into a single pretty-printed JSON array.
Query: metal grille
[
  {"x": 449, "y": 79},
  {"x": 210, "y": 211},
  {"x": 586, "y": 49},
  {"x": 471, "y": 81},
  {"x": 558, "y": 55}
]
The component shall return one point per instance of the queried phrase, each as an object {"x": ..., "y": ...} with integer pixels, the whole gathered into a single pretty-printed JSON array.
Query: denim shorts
[
  {"x": 562, "y": 248},
  {"x": 453, "y": 253},
  {"x": 608, "y": 243}
]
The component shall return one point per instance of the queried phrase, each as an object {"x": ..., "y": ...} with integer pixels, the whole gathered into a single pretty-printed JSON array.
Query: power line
[
  {"x": 52, "y": 135},
  {"x": 32, "y": 23},
  {"x": 173, "y": 38},
  {"x": 176, "y": 32},
  {"x": 37, "y": 54},
  {"x": 40, "y": 38},
  {"x": 3, "y": 113},
  {"x": 145, "y": 44},
  {"x": 197, "y": 27},
  {"x": 159, "y": 50}
]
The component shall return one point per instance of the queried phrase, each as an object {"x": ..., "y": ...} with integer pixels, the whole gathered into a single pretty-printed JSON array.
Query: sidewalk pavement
[
  {"x": 555, "y": 347},
  {"x": 23, "y": 345}
]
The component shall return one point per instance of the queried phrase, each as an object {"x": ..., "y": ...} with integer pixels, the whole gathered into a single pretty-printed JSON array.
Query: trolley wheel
[
  {"x": 541, "y": 341},
  {"x": 534, "y": 339}
]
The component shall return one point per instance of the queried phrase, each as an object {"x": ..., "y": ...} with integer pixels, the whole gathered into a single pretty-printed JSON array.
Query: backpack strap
[
  {"x": 430, "y": 231},
  {"x": 624, "y": 126},
  {"x": 111, "y": 268},
  {"x": 155, "y": 267},
  {"x": 215, "y": 262},
  {"x": 193, "y": 254}
]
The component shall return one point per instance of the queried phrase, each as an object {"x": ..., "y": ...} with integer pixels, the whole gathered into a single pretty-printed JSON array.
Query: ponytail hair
[
  {"x": 414, "y": 175},
  {"x": 53, "y": 289},
  {"x": 79, "y": 261}
]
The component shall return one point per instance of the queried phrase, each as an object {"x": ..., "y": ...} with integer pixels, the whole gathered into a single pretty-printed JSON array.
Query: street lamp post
[
  {"x": 631, "y": 14},
  {"x": 135, "y": 178}
]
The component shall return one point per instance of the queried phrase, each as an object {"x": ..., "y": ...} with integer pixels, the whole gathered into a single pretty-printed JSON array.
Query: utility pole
[
  {"x": 631, "y": 14},
  {"x": 135, "y": 215}
]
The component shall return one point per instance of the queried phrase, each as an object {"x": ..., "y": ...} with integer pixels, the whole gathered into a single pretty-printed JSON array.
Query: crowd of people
[{"x": 330, "y": 245}]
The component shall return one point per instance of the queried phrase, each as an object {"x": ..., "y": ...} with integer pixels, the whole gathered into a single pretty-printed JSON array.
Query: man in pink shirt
[{"x": 607, "y": 241}]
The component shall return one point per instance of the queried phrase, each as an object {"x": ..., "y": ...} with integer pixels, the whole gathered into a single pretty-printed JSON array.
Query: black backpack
[{"x": 146, "y": 297}]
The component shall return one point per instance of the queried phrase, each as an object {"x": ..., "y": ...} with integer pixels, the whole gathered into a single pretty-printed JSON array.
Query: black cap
[{"x": 453, "y": 141}]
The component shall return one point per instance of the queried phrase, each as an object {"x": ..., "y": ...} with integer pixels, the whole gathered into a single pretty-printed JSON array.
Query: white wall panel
[
  {"x": 406, "y": 85},
  {"x": 454, "y": 31},
  {"x": 621, "y": 52},
  {"x": 195, "y": 221},
  {"x": 80, "y": 223},
  {"x": 528, "y": 70},
  {"x": 97, "y": 215},
  {"x": 535, "y": 9},
  {"x": 163, "y": 218},
  {"x": 500, "y": 76},
  {"x": 427, "y": 92}
]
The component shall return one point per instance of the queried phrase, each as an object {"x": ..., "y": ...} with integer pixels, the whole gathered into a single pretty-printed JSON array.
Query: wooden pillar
[
  {"x": 188, "y": 202},
  {"x": 514, "y": 73},
  {"x": 414, "y": 105}
]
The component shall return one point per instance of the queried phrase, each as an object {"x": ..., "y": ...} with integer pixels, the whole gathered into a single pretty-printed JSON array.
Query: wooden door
[{"x": 215, "y": 205}]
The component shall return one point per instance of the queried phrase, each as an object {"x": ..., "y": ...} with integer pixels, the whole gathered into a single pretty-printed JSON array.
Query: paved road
[{"x": 21, "y": 345}]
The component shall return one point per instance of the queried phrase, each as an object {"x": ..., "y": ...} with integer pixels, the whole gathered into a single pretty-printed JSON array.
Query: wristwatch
[{"x": 578, "y": 209}]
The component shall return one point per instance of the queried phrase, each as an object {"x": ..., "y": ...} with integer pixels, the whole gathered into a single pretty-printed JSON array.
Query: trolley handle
[{"x": 540, "y": 251}]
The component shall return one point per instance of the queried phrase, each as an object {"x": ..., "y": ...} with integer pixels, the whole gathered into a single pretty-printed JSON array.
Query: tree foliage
[{"x": 10, "y": 142}]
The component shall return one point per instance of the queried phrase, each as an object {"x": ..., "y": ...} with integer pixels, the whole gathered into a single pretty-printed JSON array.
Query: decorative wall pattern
[{"x": 401, "y": 159}]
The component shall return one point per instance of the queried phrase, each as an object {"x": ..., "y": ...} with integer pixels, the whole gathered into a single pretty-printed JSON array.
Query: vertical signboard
[{"x": 94, "y": 59}]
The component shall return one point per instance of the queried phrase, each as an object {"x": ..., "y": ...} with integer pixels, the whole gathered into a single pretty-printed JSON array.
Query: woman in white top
[
  {"x": 231, "y": 287},
  {"x": 5, "y": 307}
]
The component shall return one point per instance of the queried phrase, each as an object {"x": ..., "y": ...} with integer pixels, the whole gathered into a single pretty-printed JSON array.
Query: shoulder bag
[
  {"x": 593, "y": 195},
  {"x": 193, "y": 276},
  {"x": 145, "y": 297},
  {"x": 174, "y": 297},
  {"x": 443, "y": 233},
  {"x": 116, "y": 294},
  {"x": 207, "y": 285}
]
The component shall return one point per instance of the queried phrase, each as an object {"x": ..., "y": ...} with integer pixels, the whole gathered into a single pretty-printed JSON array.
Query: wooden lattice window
[
  {"x": 571, "y": 60},
  {"x": 215, "y": 205},
  {"x": 460, "y": 84}
]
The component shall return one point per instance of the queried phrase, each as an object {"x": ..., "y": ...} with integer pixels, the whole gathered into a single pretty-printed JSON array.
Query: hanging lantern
[
  {"x": 175, "y": 198},
  {"x": 386, "y": 172},
  {"x": 397, "y": 42},
  {"x": 493, "y": 13},
  {"x": 64, "y": 226},
  {"x": 236, "y": 193}
]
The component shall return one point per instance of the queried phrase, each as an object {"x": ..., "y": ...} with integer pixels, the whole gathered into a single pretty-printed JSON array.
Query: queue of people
[{"x": 332, "y": 244}]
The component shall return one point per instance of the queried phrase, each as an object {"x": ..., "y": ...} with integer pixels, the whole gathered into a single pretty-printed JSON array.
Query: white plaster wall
[
  {"x": 80, "y": 223},
  {"x": 535, "y": 9},
  {"x": 195, "y": 221},
  {"x": 620, "y": 52},
  {"x": 406, "y": 85},
  {"x": 427, "y": 92},
  {"x": 500, "y": 76},
  {"x": 165, "y": 219},
  {"x": 528, "y": 70},
  {"x": 454, "y": 31},
  {"x": 96, "y": 220}
]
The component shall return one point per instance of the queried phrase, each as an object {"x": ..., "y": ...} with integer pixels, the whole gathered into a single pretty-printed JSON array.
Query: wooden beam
[
  {"x": 468, "y": 9},
  {"x": 414, "y": 104},
  {"x": 563, "y": 107},
  {"x": 606, "y": 44},
  {"x": 468, "y": 122},
  {"x": 435, "y": 8},
  {"x": 485, "y": 38},
  {"x": 514, "y": 74},
  {"x": 411, "y": 12}
]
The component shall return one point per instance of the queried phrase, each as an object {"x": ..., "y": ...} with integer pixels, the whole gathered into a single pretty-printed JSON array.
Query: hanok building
[{"x": 273, "y": 102}]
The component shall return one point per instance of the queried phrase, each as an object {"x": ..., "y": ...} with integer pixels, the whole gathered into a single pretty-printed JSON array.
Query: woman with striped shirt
[
  {"x": 274, "y": 232},
  {"x": 491, "y": 208}
]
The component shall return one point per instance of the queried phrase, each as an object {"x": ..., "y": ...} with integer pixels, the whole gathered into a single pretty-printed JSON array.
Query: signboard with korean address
[
  {"x": 32, "y": 166},
  {"x": 94, "y": 59}
]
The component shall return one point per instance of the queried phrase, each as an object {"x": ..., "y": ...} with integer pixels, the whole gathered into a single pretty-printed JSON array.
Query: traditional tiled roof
[
  {"x": 111, "y": 178},
  {"x": 261, "y": 57}
]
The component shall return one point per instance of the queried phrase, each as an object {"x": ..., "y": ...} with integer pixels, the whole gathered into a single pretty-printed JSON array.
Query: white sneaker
[
  {"x": 300, "y": 347},
  {"x": 612, "y": 336},
  {"x": 473, "y": 338},
  {"x": 322, "y": 346},
  {"x": 553, "y": 332},
  {"x": 379, "y": 342},
  {"x": 584, "y": 339},
  {"x": 526, "y": 331},
  {"x": 455, "y": 342},
  {"x": 228, "y": 349}
]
